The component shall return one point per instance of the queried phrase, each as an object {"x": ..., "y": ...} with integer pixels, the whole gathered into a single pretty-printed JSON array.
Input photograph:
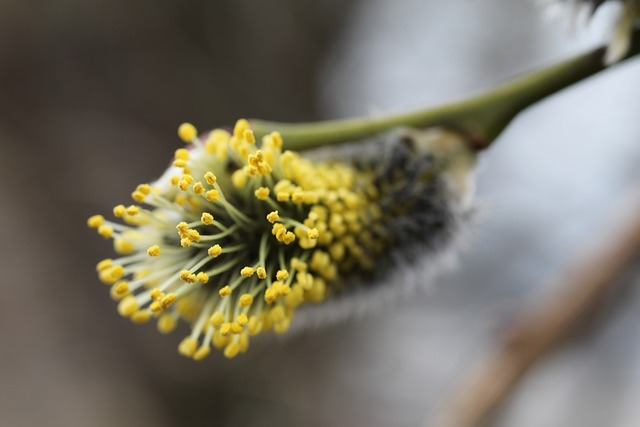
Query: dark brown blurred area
[{"x": 91, "y": 94}]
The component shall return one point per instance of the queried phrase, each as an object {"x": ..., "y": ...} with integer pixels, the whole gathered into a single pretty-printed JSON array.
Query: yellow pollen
[
  {"x": 104, "y": 264},
  {"x": 95, "y": 221},
  {"x": 225, "y": 329},
  {"x": 246, "y": 272},
  {"x": 217, "y": 319},
  {"x": 185, "y": 242},
  {"x": 261, "y": 273},
  {"x": 214, "y": 251},
  {"x": 105, "y": 231},
  {"x": 210, "y": 178},
  {"x": 193, "y": 235},
  {"x": 202, "y": 277},
  {"x": 133, "y": 210},
  {"x": 282, "y": 275},
  {"x": 240, "y": 127},
  {"x": 236, "y": 328},
  {"x": 288, "y": 238},
  {"x": 273, "y": 217},
  {"x": 249, "y": 136},
  {"x": 166, "y": 323},
  {"x": 239, "y": 179},
  {"x": 156, "y": 294},
  {"x": 128, "y": 306},
  {"x": 167, "y": 300},
  {"x": 198, "y": 188},
  {"x": 277, "y": 314},
  {"x": 123, "y": 247},
  {"x": 182, "y": 228},
  {"x": 225, "y": 291},
  {"x": 121, "y": 288},
  {"x": 183, "y": 184},
  {"x": 206, "y": 218},
  {"x": 313, "y": 233},
  {"x": 188, "y": 178},
  {"x": 182, "y": 153},
  {"x": 262, "y": 193},
  {"x": 246, "y": 300},
  {"x": 180, "y": 163},
  {"x": 270, "y": 295},
  {"x": 283, "y": 196},
  {"x": 141, "y": 316},
  {"x": 144, "y": 189},
  {"x": 119, "y": 211},
  {"x": 138, "y": 196},
  {"x": 212, "y": 195},
  {"x": 242, "y": 319},
  {"x": 231, "y": 350},
  {"x": 154, "y": 250},
  {"x": 202, "y": 352},
  {"x": 187, "y": 132},
  {"x": 188, "y": 346}
]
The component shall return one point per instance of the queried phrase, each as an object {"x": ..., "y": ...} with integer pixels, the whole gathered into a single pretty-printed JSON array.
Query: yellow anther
[
  {"x": 242, "y": 319},
  {"x": 240, "y": 127},
  {"x": 141, "y": 316},
  {"x": 133, "y": 210},
  {"x": 277, "y": 313},
  {"x": 104, "y": 264},
  {"x": 297, "y": 197},
  {"x": 154, "y": 250},
  {"x": 95, "y": 221},
  {"x": 187, "y": 177},
  {"x": 225, "y": 291},
  {"x": 212, "y": 195},
  {"x": 193, "y": 235},
  {"x": 180, "y": 163},
  {"x": 236, "y": 328},
  {"x": 182, "y": 228},
  {"x": 105, "y": 231},
  {"x": 283, "y": 196},
  {"x": 121, "y": 288},
  {"x": 214, "y": 251},
  {"x": 202, "y": 277},
  {"x": 261, "y": 273},
  {"x": 276, "y": 228},
  {"x": 298, "y": 265},
  {"x": 166, "y": 323},
  {"x": 198, "y": 188},
  {"x": 276, "y": 139},
  {"x": 128, "y": 306},
  {"x": 246, "y": 272},
  {"x": 219, "y": 341},
  {"x": 202, "y": 352},
  {"x": 155, "y": 307},
  {"x": 282, "y": 275},
  {"x": 270, "y": 295},
  {"x": 239, "y": 179},
  {"x": 210, "y": 178},
  {"x": 282, "y": 327},
  {"x": 167, "y": 300},
  {"x": 183, "y": 184},
  {"x": 246, "y": 300},
  {"x": 180, "y": 199},
  {"x": 185, "y": 242},
  {"x": 282, "y": 231},
  {"x": 187, "y": 132},
  {"x": 231, "y": 350},
  {"x": 225, "y": 329},
  {"x": 262, "y": 193},
  {"x": 181, "y": 153},
  {"x": 185, "y": 275},
  {"x": 123, "y": 247},
  {"x": 119, "y": 211},
  {"x": 313, "y": 233},
  {"x": 144, "y": 189},
  {"x": 156, "y": 294},
  {"x": 288, "y": 238},
  {"x": 138, "y": 196},
  {"x": 243, "y": 342},
  {"x": 254, "y": 326},
  {"x": 175, "y": 180},
  {"x": 249, "y": 136},
  {"x": 216, "y": 319},
  {"x": 318, "y": 291},
  {"x": 273, "y": 217},
  {"x": 206, "y": 218},
  {"x": 188, "y": 346}
]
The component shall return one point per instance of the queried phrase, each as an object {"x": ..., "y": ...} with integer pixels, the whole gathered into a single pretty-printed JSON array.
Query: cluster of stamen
[{"x": 234, "y": 238}]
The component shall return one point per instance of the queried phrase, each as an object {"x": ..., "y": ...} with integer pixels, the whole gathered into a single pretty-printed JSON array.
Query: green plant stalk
[{"x": 482, "y": 117}]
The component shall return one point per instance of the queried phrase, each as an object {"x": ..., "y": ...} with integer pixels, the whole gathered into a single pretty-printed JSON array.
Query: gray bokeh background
[{"x": 90, "y": 96}]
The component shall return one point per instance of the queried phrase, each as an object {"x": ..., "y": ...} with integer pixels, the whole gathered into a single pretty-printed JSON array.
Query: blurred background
[{"x": 91, "y": 94}]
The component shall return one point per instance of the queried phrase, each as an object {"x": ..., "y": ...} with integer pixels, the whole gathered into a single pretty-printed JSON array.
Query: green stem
[{"x": 482, "y": 117}]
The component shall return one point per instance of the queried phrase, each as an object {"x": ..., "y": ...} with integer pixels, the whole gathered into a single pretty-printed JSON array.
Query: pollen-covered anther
[
  {"x": 188, "y": 346},
  {"x": 272, "y": 217},
  {"x": 119, "y": 211},
  {"x": 206, "y": 218},
  {"x": 225, "y": 291},
  {"x": 210, "y": 178},
  {"x": 313, "y": 233},
  {"x": 261, "y": 273},
  {"x": 288, "y": 238},
  {"x": 95, "y": 221},
  {"x": 167, "y": 300},
  {"x": 212, "y": 195},
  {"x": 247, "y": 272},
  {"x": 182, "y": 228},
  {"x": 216, "y": 319},
  {"x": 202, "y": 277},
  {"x": 282, "y": 275},
  {"x": 187, "y": 132},
  {"x": 156, "y": 294},
  {"x": 262, "y": 193},
  {"x": 105, "y": 231},
  {"x": 187, "y": 276},
  {"x": 153, "y": 250},
  {"x": 128, "y": 306},
  {"x": 198, "y": 188},
  {"x": 138, "y": 196},
  {"x": 104, "y": 264},
  {"x": 245, "y": 300},
  {"x": 214, "y": 251}
]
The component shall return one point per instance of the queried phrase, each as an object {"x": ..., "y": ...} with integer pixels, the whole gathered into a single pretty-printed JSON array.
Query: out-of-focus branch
[{"x": 546, "y": 324}]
